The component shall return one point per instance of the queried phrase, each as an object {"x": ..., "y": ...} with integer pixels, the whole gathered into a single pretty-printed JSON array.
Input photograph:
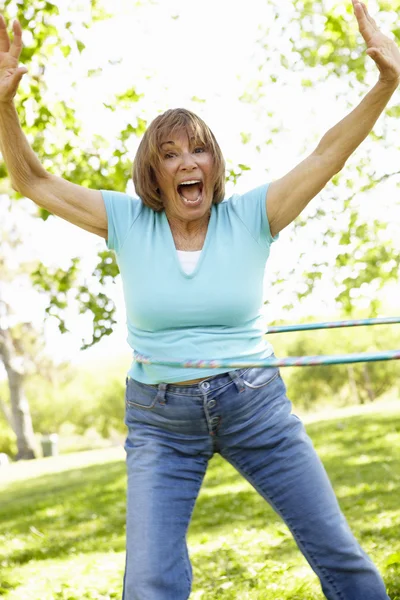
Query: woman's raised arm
[
  {"x": 288, "y": 196},
  {"x": 78, "y": 205}
]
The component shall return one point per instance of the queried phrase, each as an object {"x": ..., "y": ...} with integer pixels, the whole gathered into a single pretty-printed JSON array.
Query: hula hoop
[
  {"x": 332, "y": 324},
  {"x": 290, "y": 361}
]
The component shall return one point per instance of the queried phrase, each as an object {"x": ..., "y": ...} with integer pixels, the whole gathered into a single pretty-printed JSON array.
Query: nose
[{"x": 188, "y": 161}]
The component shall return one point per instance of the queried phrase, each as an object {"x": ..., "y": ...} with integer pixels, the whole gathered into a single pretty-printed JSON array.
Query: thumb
[{"x": 373, "y": 52}]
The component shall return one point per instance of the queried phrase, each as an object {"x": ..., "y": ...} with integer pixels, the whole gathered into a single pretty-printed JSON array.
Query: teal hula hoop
[
  {"x": 290, "y": 361},
  {"x": 332, "y": 325}
]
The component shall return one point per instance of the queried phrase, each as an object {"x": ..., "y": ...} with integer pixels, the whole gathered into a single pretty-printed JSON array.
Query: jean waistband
[{"x": 207, "y": 385}]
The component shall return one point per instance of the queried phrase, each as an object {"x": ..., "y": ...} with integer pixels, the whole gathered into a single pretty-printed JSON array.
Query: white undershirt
[{"x": 188, "y": 260}]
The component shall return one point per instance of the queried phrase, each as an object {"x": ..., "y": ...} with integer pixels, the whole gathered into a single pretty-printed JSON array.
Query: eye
[
  {"x": 169, "y": 155},
  {"x": 199, "y": 149}
]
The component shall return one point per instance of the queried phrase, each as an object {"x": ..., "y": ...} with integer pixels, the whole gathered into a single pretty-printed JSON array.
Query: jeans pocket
[
  {"x": 140, "y": 395},
  {"x": 260, "y": 377}
]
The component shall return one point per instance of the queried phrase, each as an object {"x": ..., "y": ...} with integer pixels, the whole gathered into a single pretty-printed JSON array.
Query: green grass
[{"x": 62, "y": 520}]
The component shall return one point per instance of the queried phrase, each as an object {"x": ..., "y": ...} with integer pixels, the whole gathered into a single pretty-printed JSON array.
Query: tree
[
  {"x": 319, "y": 48},
  {"x": 50, "y": 123},
  {"x": 18, "y": 340},
  {"x": 19, "y": 419}
]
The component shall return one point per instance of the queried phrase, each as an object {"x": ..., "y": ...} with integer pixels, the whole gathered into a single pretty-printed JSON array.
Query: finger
[
  {"x": 384, "y": 64},
  {"x": 359, "y": 13},
  {"x": 366, "y": 24},
  {"x": 18, "y": 75},
  {"x": 368, "y": 16},
  {"x": 4, "y": 39},
  {"x": 16, "y": 46}
]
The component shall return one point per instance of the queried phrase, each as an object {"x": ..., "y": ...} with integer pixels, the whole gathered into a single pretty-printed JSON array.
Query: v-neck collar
[{"x": 210, "y": 229}]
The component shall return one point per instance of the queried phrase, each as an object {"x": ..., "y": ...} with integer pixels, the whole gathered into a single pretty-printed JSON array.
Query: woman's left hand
[{"x": 383, "y": 51}]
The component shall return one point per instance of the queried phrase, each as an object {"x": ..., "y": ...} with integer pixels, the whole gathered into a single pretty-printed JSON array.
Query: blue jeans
[{"x": 244, "y": 415}]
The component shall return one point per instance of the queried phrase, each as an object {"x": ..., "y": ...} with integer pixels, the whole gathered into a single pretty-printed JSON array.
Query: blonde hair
[{"x": 147, "y": 162}]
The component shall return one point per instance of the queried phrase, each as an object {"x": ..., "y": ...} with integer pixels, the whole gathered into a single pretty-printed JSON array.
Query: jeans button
[
  {"x": 205, "y": 385},
  {"x": 215, "y": 420},
  {"x": 211, "y": 404}
]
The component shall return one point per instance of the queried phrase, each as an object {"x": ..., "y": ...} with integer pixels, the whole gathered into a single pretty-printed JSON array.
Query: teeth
[
  {"x": 190, "y": 182},
  {"x": 190, "y": 201}
]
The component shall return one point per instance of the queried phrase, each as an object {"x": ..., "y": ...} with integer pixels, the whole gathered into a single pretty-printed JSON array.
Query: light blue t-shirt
[{"x": 213, "y": 313}]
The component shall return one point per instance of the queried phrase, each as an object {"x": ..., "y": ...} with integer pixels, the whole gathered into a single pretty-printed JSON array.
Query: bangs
[{"x": 196, "y": 131}]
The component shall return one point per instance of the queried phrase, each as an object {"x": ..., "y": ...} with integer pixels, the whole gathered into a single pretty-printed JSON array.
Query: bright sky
[{"x": 172, "y": 51}]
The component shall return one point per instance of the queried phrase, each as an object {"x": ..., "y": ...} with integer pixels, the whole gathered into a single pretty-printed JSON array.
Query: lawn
[{"x": 62, "y": 520}]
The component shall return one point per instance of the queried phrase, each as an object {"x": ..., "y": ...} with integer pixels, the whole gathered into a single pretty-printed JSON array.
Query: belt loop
[
  {"x": 162, "y": 388},
  {"x": 237, "y": 380}
]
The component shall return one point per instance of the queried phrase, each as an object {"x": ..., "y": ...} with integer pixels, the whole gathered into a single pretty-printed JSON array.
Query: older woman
[{"x": 186, "y": 257}]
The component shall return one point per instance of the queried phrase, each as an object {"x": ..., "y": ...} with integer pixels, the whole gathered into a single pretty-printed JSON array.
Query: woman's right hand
[{"x": 10, "y": 73}]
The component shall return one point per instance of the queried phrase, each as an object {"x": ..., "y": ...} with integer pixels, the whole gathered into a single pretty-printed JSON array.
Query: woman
[{"x": 184, "y": 256}]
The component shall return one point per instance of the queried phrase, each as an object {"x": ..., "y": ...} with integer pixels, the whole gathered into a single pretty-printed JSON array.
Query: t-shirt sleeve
[
  {"x": 122, "y": 212},
  {"x": 251, "y": 209}
]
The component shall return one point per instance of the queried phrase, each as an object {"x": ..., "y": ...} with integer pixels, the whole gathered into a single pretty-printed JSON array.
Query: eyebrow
[{"x": 192, "y": 139}]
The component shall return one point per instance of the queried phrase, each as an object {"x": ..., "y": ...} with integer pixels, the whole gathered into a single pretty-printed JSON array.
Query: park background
[{"x": 269, "y": 78}]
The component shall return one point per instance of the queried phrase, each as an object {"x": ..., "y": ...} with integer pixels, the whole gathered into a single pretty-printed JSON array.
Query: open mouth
[{"x": 191, "y": 192}]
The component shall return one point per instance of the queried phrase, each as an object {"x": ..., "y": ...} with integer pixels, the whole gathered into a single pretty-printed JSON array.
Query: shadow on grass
[
  {"x": 80, "y": 510},
  {"x": 375, "y": 480},
  {"x": 7, "y": 583},
  {"x": 83, "y": 510},
  {"x": 362, "y": 457}
]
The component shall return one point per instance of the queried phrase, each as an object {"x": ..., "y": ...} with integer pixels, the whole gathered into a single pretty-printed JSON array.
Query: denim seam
[
  {"x": 183, "y": 557},
  {"x": 302, "y": 544},
  {"x": 260, "y": 387},
  {"x": 131, "y": 404},
  {"x": 186, "y": 573},
  {"x": 125, "y": 571}
]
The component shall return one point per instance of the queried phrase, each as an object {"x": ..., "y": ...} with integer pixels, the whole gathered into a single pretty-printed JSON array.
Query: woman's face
[{"x": 186, "y": 177}]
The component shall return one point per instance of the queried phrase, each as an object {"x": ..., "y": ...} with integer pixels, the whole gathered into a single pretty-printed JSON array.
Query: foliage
[
  {"x": 339, "y": 385},
  {"x": 51, "y": 37},
  {"x": 85, "y": 398},
  {"x": 235, "y": 172},
  {"x": 62, "y": 521},
  {"x": 7, "y": 438},
  {"x": 320, "y": 43},
  {"x": 21, "y": 343},
  {"x": 367, "y": 255},
  {"x": 62, "y": 287},
  {"x": 51, "y": 125}
]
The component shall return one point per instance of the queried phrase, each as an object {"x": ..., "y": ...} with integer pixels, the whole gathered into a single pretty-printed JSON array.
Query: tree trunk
[
  {"x": 368, "y": 384},
  {"x": 21, "y": 416},
  {"x": 353, "y": 385},
  {"x": 6, "y": 413}
]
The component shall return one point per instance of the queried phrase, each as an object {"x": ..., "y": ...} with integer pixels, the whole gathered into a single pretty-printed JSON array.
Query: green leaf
[
  {"x": 80, "y": 45},
  {"x": 66, "y": 50},
  {"x": 393, "y": 559},
  {"x": 197, "y": 99}
]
